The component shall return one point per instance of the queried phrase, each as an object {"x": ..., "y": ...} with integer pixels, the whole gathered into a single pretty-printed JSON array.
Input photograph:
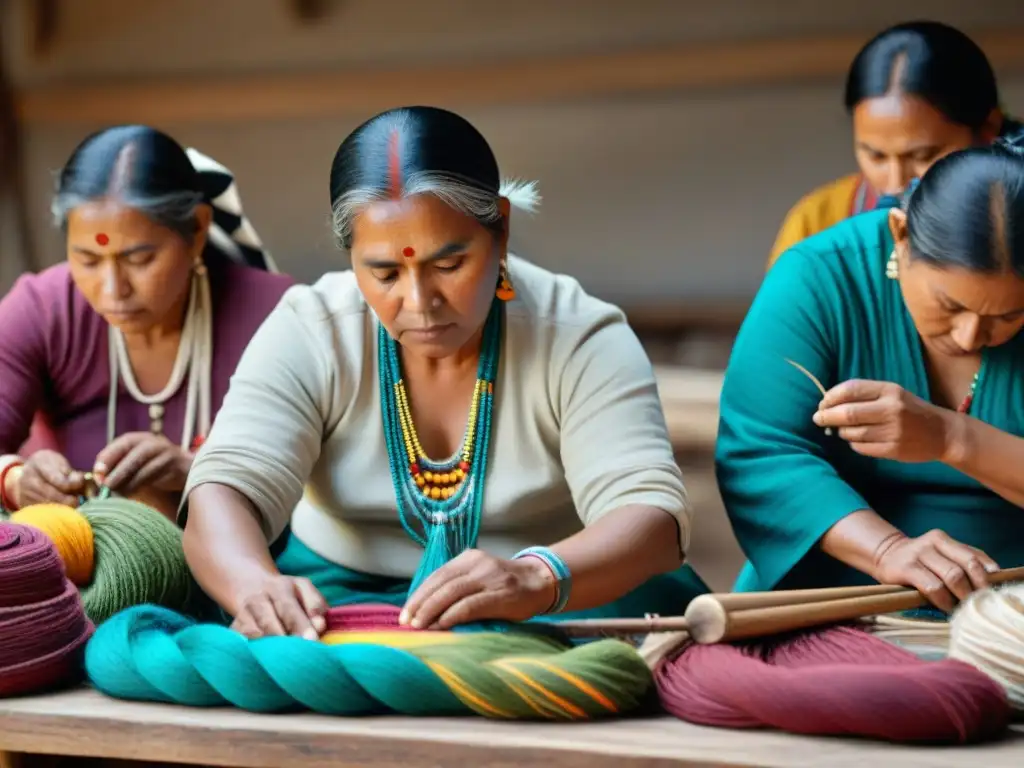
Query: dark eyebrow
[
  {"x": 957, "y": 305},
  {"x": 441, "y": 253},
  {"x": 911, "y": 151},
  {"x": 120, "y": 254}
]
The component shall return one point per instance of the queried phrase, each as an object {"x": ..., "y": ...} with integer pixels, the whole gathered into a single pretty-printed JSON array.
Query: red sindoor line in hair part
[{"x": 394, "y": 166}]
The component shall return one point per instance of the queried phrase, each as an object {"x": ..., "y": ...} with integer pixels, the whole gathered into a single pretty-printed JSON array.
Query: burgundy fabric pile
[
  {"x": 43, "y": 628},
  {"x": 839, "y": 681}
]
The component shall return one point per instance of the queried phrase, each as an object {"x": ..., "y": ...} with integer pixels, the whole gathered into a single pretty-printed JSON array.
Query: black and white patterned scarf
[{"x": 230, "y": 231}]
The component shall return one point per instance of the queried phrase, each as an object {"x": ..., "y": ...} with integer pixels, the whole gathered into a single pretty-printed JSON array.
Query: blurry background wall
[{"x": 669, "y": 136}]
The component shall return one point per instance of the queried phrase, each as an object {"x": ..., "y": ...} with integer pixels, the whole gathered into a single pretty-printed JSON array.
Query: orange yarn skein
[{"x": 70, "y": 532}]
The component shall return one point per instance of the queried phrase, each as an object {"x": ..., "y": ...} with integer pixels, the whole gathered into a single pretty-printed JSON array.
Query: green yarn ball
[{"x": 138, "y": 559}]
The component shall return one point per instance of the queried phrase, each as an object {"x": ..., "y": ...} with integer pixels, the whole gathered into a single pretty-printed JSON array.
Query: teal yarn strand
[
  {"x": 443, "y": 527},
  {"x": 148, "y": 653},
  {"x": 138, "y": 558},
  {"x": 152, "y": 654}
]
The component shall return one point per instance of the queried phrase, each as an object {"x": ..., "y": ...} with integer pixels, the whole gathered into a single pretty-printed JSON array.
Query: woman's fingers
[
  {"x": 949, "y": 571},
  {"x": 56, "y": 472},
  {"x": 475, "y": 607},
  {"x": 284, "y": 605},
  {"x": 931, "y": 585},
  {"x": 129, "y": 466},
  {"x": 264, "y": 616},
  {"x": 973, "y": 563},
  {"x": 32, "y": 491},
  {"x": 441, "y": 599},
  {"x": 853, "y": 414},
  {"x": 854, "y": 391},
  {"x": 443, "y": 575},
  {"x": 313, "y": 605},
  {"x": 151, "y": 471},
  {"x": 292, "y": 617}
]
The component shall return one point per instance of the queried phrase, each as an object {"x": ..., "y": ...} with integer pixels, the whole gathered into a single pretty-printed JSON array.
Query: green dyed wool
[{"x": 138, "y": 559}]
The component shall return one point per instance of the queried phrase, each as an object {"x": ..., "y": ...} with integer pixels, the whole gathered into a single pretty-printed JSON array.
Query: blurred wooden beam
[
  {"x": 304, "y": 95},
  {"x": 45, "y": 21},
  {"x": 684, "y": 315},
  {"x": 309, "y": 11},
  {"x": 13, "y": 194}
]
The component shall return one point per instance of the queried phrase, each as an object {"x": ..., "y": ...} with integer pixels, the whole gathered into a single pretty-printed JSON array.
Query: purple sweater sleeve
[
  {"x": 27, "y": 313},
  {"x": 54, "y": 360}
]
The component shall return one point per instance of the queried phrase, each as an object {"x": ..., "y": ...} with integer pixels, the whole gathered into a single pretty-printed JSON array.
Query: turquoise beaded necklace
[{"x": 439, "y": 502}]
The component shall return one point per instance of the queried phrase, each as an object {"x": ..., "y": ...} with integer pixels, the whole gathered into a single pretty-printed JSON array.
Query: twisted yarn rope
[
  {"x": 838, "y": 681},
  {"x": 134, "y": 555},
  {"x": 987, "y": 632},
  {"x": 42, "y": 626},
  {"x": 149, "y": 653}
]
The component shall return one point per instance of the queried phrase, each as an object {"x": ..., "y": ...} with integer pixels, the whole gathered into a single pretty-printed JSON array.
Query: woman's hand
[
  {"x": 940, "y": 568},
  {"x": 282, "y": 605},
  {"x": 885, "y": 421},
  {"x": 142, "y": 460},
  {"x": 47, "y": 478},
  {"x": 477, "y": 586}
]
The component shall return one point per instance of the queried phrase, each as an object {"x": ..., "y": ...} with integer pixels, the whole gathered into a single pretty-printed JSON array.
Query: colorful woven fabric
[{"x": 149, "y": 653}]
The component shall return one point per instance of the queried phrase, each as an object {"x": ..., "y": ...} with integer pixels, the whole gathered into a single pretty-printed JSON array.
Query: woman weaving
[
  {"x": 907, "y": 470},
  {"x": 124, "y": 352},
  {"x": 558, "y": 490},
  {"x": 916, "y": 92}
]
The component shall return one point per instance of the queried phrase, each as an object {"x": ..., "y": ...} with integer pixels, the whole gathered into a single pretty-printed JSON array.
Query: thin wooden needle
[{"x": 813, "y": 378}]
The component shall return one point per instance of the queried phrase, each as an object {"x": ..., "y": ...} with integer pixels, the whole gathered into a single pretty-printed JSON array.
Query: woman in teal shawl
[{"x": 908, "y": 469}]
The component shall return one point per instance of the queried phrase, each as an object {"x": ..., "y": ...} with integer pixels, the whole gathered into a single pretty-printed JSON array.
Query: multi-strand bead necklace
[{"x": 439, "y": 502}]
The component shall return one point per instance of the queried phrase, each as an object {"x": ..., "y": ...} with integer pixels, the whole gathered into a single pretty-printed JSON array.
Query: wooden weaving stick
[{"x": 716, "y": 618}]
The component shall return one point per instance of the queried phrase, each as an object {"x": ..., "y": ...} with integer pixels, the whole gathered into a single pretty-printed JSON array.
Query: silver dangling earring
[{"x": 892, "y": 266}]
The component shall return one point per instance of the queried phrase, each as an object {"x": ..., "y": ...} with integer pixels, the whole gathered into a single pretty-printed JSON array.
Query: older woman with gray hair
[
  {"x": 444, "y": 427},
  {"x": 124, "y": 351}
]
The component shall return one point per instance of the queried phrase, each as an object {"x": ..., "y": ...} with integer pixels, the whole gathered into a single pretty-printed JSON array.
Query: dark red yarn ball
[
  {"x": 43, "y": 627},
  {"x": 839, "y": 681}
]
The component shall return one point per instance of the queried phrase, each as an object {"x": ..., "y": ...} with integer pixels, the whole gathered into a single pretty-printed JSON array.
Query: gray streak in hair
[
  {"x": 454, "y": 191},
  {"x": 175, "y": 211}
]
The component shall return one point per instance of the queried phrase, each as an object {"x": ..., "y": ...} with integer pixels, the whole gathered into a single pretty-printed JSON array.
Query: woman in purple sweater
[{"x": 117, "y": 360}]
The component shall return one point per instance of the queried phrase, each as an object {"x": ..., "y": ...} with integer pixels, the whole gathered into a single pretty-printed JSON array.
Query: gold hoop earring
[
  {"x": 892, "y": 266},
  {"x": 506, "y": 291}
]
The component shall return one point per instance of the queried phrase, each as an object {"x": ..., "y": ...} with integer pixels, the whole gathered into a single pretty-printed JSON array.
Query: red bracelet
[{"x": 5, "y": 501}]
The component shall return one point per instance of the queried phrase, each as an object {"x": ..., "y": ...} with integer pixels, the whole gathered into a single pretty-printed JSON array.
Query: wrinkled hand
[
  {"x": 939, "y": 567},
  {"x": 47, "y": 477},
  {"x": 477, "y": 586},
  {"x": 883, "y": 420},
  {"x": 142, "y": 460},
  {"x": 282, "y": 605}
]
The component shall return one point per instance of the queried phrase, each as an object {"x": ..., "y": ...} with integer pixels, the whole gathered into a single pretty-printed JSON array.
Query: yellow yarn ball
[{"x": 70, "y": 532}]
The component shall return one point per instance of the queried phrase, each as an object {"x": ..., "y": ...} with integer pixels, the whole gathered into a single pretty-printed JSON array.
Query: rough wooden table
[{"x": 86, "y": 724}]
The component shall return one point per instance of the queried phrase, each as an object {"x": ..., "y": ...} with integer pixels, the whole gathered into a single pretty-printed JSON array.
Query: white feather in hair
[{"x": 523, "y": 195}]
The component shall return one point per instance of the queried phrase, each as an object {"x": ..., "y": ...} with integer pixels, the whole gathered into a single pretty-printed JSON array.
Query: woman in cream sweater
[{"x": 443, "y": 427}]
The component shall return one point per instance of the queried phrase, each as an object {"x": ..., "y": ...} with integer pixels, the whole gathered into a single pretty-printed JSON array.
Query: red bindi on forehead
[
  {"x": 408, "y": 252},
  {"x": 102, "y": 239}
]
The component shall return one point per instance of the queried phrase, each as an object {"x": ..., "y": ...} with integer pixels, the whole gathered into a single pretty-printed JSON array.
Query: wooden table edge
[{"x": 33, "y": 733}]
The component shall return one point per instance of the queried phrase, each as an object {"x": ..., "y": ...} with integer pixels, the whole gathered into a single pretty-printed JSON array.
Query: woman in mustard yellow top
[{"x": 916, "y": 92}]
